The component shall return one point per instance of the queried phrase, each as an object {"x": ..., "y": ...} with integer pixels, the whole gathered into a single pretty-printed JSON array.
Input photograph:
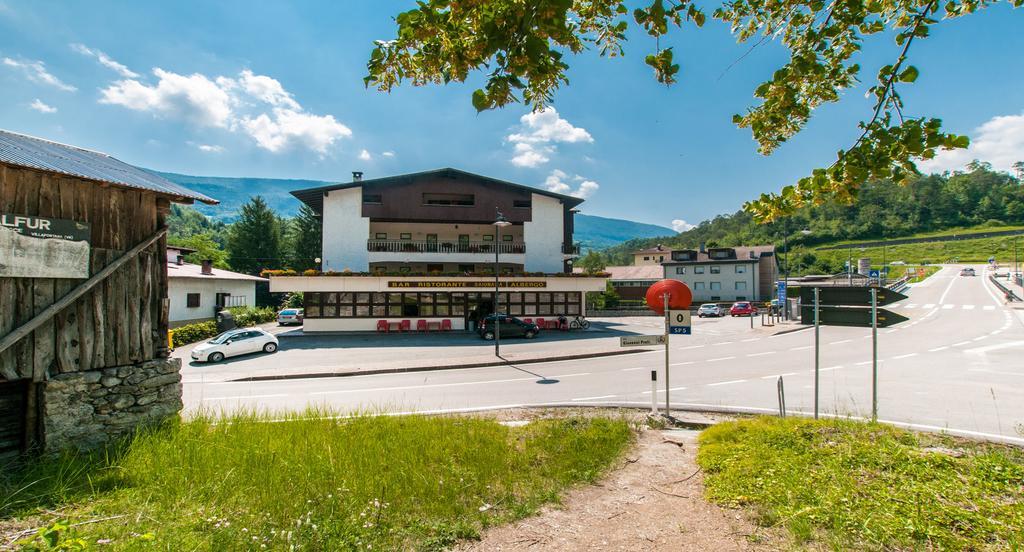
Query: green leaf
[
  {"x": 909, "y": 74},
  {"x": 480, "y": 101}
]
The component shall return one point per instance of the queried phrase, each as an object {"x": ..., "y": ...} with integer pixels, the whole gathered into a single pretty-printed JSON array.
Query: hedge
[{"x": 244, "y": 316}]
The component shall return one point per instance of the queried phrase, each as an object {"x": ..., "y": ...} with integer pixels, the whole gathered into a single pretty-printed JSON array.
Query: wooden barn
[{"x": 83, "y": 296}]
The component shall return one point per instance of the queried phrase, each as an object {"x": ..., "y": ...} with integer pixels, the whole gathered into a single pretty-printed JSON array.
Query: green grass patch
[
  {"x": 850, "y": 484},
  {"x": 244, "y": 483},
  {"x": 964, "y": 251}
]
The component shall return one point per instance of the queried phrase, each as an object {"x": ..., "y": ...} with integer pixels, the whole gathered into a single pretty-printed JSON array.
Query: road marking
[
  {"x": 862, "y": 363},
  {"x": 937, "y": 349},
  {"x": 761, "y": 354},
  {"x": 928, "y": 306},
  {"x": 910, "y": 306},
  {"x": 593, "y": 398},
  {"x": 776, "y": 376},
  {"x": 888, "y": 331},
  {"x": 690, "y": 347},
  {"x": 726, "y": 382},
  {"x": 723, "y": 343},
  {"x": 829, "y": 368},
  {"x": 979, "y": 338},
  {"x": 635, "y": 369},
  {"x": 662, "y": 390},
  {"x": 947, "y": 307},
  {"x": 841, "y": 341},
  {"x": 962, "y": 343},
  {"x": 988, "y": 307},
  {"x": 435, "y": 385},
  {"x": 968, "y": 307},
  {"x": 908, "y": 355},
  {"x": 801, "y": 348},
  {"x": 720, "y": 358},
  {"x": 1001, "y": 373},
  {"x": 751, "y": 339},
  {"x": 236, "y": 397},
  {"x": 681, "y": 363},
  {"x": 1008, "y": 345}
]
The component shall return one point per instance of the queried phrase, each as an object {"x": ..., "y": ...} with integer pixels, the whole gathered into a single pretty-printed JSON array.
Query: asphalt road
[{"x": 957, "y": 364}]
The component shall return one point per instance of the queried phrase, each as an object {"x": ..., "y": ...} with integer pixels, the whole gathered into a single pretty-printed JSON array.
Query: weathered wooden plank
[
  {"x": 8, "y": 304},
  {"x": 99, "y": 318},
  {"x": 8, "y": 188},
  {"x": 163, "y": 208},
  {"x": 133, "y": 293},
  {"x": 66, "y": 321},
  {"x": 84, "y": 304},
  {"x": 43, "y": 289},
  {"x": 146, "y": 308}
]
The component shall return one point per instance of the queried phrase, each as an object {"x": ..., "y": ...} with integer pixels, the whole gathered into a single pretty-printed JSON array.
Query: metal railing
[{"x": 410, "y": 246}]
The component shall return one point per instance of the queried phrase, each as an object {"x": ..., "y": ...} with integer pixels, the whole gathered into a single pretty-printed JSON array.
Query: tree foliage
[
  {"x": 206, "y": 248},
  {"x": 304, "y": 240},
  {"x": 521, "y": 45},
  {"x": 254, "y": 240}
]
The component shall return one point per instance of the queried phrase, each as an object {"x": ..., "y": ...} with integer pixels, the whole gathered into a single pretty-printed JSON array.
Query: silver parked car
[
  {"x": 710, "y": 309},
  {"x": 290, "y": 316}
]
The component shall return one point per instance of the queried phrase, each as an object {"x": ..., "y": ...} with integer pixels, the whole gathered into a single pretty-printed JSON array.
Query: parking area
[{"x": 301, "y": 353}]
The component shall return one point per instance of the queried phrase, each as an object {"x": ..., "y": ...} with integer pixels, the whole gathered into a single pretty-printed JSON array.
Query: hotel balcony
[{"x": 410, "y": 251}]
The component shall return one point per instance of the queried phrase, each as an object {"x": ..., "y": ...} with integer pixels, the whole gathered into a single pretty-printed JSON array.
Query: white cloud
[
  {"x": 105, "y": 60},
  {"x": 36, "y": 71},
  {"x": 1000, "y": 141},
  {"x": 556, "y": 182},
  {"x": 237, "y": 105},
  {"x": 209, "y": 148},
  {"x": 41, "y": 107},
  {"x": 365, "y": 156},
  {"x": 388, "y": 154},
  {"x": 680, "y": 225},
  {"x": 538, "y": 132}
]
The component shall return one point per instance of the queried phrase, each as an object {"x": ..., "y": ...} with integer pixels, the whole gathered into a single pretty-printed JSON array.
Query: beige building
[
  {"x": 652, "y": 257},
  {"x": 725, "y": 273}
]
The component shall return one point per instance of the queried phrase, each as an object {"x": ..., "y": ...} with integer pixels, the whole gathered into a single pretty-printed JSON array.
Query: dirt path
[{"x": 648, "y": 504}]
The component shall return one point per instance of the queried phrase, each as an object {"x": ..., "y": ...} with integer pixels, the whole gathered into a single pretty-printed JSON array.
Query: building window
[
  {"x": 507, "y": 237},
  {"x": 465, "y": 268},
  {"x": 740, "y": 269},
  {"x": 647, "y": 258},
  {"x": 741, "y": 286},
  {"x": 372, "y": 199},
  {"x": 698, "y": 285},
  {"x": 716, "y": 298},
  {"x": 192, "y": 300},
  {"x": 405, "y": 236},
  {"x": 380, "y": 236},
  {"x": 488, "y": 237},
  {"x": 661, "y": 258},
  {"x": 523, "y": 203},
  {"x": 460, "y": 200},
  {"x": 698, "y": 270},
  {"x": 741, "y": 297},
  {"x": 715, "y": 269},
  {"x": 716, "y": 286},
  {"x": 434, "y": 304},
  {"x": 680, "y": 270}
]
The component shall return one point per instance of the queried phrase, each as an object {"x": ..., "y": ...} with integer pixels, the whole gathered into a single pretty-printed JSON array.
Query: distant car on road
[
  {"x": 710, "y": 309},
  {"x": 240, "y": 341},
  {"x": 510, "y": 327},
  {"x": 967, "y": 272},
  {"x": 742, "y": 308},
  {"x": 290, "y": 316}
]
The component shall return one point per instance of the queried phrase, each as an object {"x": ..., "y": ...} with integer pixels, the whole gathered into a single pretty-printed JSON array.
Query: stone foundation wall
[{"x": 86, "y": 410}]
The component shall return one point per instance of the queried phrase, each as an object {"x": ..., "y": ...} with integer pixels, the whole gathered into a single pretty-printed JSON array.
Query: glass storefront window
[
  {"x": 362, "y": 298},
  {"x": 345, "y": 311},
  {"x": 544, "y": 308},
  {"x": 379, "y": 310},
  {"x": 330, "y": 311},
  {"x": 573, "y": 308}
]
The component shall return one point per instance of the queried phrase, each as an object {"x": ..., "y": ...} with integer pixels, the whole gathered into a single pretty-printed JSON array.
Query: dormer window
[{"x": 460, "y": 200}]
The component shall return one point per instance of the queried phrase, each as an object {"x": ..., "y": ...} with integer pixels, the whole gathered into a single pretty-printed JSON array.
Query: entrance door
[{"x": 478, "y": 306}]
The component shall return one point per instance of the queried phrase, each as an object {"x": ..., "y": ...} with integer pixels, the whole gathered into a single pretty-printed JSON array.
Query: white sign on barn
[{"x": 38, "y": 247}]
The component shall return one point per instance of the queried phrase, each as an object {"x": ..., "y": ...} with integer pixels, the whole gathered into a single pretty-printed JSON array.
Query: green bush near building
[{"x": 244, "y": 317}]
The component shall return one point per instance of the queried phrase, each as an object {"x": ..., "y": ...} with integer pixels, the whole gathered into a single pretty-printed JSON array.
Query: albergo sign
[{"x": 469, "y": 284}]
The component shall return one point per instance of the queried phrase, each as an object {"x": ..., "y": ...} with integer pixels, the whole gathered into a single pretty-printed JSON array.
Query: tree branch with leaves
[{"x": 521, "y": 45}]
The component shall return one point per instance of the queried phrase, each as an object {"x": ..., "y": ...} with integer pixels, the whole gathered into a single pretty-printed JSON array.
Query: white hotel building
[{"x": 419, "y": 250}]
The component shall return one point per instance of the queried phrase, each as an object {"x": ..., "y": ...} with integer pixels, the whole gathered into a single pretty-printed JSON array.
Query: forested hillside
[{"x": 882, "y": 210}]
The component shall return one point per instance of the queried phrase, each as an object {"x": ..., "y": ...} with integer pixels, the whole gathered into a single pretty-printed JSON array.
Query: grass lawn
[
  {"x": 964, "y": 251},
  {"x": 847, "y": 484},
  {"x": 249, "y": 483}
]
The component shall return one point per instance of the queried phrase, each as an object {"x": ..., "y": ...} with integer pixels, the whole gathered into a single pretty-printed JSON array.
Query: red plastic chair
[
  {"x": 528, "y": 320},
  {"x": 421, "y": 325},
  {"x": 382, "y": 326},
  {"x": 446, "y": 325},
  {"x": 542, "y": 324},
  {"x": 404, "y": 326}
]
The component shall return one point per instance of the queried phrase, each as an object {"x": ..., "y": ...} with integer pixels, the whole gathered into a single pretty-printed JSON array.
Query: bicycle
[{"x": 579, "y": 323}]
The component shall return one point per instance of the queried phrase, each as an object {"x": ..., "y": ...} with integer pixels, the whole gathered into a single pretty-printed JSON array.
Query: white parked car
[
  {"x": 240, "y": 341},
  {"x": 710, "y": 309},
  {"x": 290, "y": 316}
]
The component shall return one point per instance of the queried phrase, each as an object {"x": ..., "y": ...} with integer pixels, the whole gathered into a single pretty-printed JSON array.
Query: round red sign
[{"x": 679, "y": 296}]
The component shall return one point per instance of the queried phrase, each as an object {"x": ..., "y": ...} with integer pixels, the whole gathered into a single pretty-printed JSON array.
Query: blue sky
[{"x": 275, "y": 90}]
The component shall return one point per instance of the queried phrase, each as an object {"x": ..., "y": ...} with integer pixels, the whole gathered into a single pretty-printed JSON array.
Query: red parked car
[{"x": 743, "y": 308}]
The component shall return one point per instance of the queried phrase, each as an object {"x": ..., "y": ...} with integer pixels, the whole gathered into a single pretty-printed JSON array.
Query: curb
[
  {"x": 784, "y": 332},
  {"x": 436, "y": 368}
]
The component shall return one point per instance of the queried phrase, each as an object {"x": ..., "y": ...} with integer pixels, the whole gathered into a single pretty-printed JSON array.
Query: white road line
[
  {"x": 434, "y": 385},
  {"x": 776, "y": 376},
  {"x": 690, "y": 347},
  {"x": 980, "y": 338},
  {"x": 682, "y": 363},
  {"x": 937, "y": 349},
  {"x": 801, "y": 348},
  {"x": 593, "y": 398},
  {"x": 928, "y": 306},
  {"x": 1007, "y": 345},
  {"x": 947, "y": 307},
  {"x": 723, "y": 343},
  {"x": 968, "y": 307},
  {"x": 720, "y": 358},
  {"x": 635, "y": 369},
  {"x": 988, "y": 307},
  {"x": 761, "y": 354},
  {"x": 245, "y": 397},
  {"x": 726, "y": 382},
  {"x": 908, "y": 355},
  {"x": 910, "y": 306},
  {"x": 751, "y": 339},
  {"x": 840, "y": 341},
  {"x": 962, "y": 343},
  {"x": 862, "y": 363}
]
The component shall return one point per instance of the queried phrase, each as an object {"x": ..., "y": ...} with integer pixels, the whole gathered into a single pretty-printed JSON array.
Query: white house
[
  {"x": 197, "y": 292},
  {"x": 725, "y": 273},
  {"x": 419, "y": 248}
]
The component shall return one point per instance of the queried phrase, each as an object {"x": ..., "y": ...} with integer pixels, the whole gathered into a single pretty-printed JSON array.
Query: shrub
[
  {"x": 190, "y": 333},
  {"x": 250, "y": 316}
]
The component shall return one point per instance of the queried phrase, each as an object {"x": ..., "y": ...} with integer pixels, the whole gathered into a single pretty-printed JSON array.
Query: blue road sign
[
  {"x": 873, "y": 274},
  {"x": 680, "y": 330},
  {"x": 782, "y": 291},
  {"x": 679, "y": 322}
]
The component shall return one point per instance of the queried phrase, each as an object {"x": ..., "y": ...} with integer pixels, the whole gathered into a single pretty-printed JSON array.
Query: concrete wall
[
  {"x": 345, "y": 231},
  {"x": 207, "y": 288},
  {"x": 727, "y": 279},
  {"x": 543, "y": 236}
]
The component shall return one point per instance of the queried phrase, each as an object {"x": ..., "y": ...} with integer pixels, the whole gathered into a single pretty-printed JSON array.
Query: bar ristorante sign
[{"x": 510, "y": 284}]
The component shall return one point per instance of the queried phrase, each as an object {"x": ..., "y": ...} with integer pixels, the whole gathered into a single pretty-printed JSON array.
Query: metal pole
[
  {"x": 782, "y": 398},
  {"x": 654, "y": 391},
  {"x": 497, "y": 323},
  {"x": 667, "y": 405},
  {"x": 786, "y": 240},
  {"x": 817, "y": 331},
  {"x": 874, "y": 354}
]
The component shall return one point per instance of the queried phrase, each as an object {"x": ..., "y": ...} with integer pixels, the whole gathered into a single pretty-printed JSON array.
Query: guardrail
[
  {"x": 899, "y": 285},
  {"x": 1010, "y": 295}
]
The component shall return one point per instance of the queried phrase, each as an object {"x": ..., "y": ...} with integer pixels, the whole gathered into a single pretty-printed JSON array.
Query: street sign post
[
  {"x": 852, "y": 317},
  {"x": 679, "y": 322},
  {"x": 641, "y": 340},
  {"x": 850, "y": 297},
  {"x": 782, "y": 298}
]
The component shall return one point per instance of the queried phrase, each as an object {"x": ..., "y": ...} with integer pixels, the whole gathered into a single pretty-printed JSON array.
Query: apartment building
[
  {"x": 421, "y": 249},
  {"x": 725, "y": 273},
  {"x": 653, "y": 256}
]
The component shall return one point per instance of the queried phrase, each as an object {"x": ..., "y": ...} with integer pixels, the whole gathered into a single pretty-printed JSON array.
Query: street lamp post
[{"x": 499, "y": 222}]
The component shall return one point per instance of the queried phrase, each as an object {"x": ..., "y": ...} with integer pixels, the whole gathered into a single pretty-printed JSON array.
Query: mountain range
[{"x": 592, "y": 232}]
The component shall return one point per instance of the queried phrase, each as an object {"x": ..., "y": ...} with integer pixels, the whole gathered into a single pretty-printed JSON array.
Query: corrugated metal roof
[{"x": 36, "y": 153}]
